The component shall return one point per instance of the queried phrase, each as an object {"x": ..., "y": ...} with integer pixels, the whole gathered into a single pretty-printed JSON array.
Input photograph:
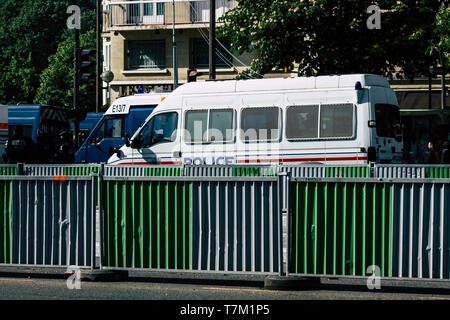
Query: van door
[
  {"x": 158, "y": 141},
  {"x": 386, "y": 136},
  {"x": 109, "y": 134}
]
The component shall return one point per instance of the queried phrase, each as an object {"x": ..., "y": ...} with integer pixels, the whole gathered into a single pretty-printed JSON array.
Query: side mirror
[
  {"x": 127, "y": 139},
  {"x": 136, "y": 142}
]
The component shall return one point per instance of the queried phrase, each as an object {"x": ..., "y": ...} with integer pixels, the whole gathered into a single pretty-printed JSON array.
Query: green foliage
[
  {"x": 331, "y": 36},
  {"x": 56, "y": 81},
  {"x": 30, "y": 32},
  {"x": 440, "y": 43}
]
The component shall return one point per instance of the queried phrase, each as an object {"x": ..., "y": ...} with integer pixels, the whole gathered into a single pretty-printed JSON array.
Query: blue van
[
  {"x": 122, "y": 119},
  {"x": 43, "y": 124},
  {"x": 3, "y": 131},
  {"x": 87, "y": 125}
]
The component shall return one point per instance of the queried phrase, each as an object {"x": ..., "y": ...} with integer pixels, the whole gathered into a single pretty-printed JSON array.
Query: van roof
[
  {"x": 142, "y": 99},
  {"x": 254, "y": 85}
]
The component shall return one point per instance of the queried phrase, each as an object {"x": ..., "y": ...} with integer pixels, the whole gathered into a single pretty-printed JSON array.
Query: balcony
[{"x": 149, "y": 14}]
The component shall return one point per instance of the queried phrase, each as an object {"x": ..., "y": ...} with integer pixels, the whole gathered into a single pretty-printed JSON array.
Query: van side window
[
  {"x": 196, "y": 126},
  {"x": 115, "y": 128},
  {"x": 260, "y": 124},
  {"x": 336, "y": 121},
  {"x": 301, "y": 122},
  {"x": 164, "y": 127},
  {"x": 209, "y": 125},
  {"x": 220, "y": 125}
]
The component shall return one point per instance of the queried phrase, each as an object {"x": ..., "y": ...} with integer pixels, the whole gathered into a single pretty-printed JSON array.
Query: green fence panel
[
  {"x": 347, "y": 172},
  {"x": 437, "y": 172},
  {"x": 164, "y": 172},
  {"x": 8, "y": 171},
  {"x": 148, "y": 224},
  {"x": 5, "y": 221},
  {"x": 341, "y": 228}
]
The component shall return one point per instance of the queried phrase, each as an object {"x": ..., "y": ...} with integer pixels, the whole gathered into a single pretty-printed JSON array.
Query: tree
[
  {"x": 331, "y": 36},
  {"x": 56, "y": 81},
  {"x": 440, "y": 42},
  {"x": 30, "y": 31}
]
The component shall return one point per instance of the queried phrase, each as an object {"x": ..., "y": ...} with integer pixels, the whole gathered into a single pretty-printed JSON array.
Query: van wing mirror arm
[{"x": 127, "y": 140}]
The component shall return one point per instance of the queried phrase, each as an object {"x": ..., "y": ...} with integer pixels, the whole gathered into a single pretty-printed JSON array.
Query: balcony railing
[{"x": 142, "y": 13}]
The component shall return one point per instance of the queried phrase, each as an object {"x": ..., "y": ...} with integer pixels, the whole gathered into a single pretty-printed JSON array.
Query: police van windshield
[{"x": 388, "y": 121}]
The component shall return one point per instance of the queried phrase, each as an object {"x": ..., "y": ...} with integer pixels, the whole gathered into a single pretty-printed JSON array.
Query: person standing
[{"x": 432, "y": 155}]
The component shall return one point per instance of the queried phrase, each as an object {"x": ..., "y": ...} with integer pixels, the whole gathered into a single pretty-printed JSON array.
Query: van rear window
[
  {"x": 387, "y": 120},
  {"x": 260, "y": 124},
  {"x": 336, "y": 122}
]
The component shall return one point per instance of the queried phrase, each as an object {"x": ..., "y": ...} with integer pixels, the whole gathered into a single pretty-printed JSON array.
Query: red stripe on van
[
  {"x": 301, "y": 160},
  {"x": 259, "y": 161},
  {"x": 146, "y": 163}
]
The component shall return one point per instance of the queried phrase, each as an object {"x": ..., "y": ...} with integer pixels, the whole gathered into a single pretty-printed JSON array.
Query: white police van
[{"x": 343, "y": 119}]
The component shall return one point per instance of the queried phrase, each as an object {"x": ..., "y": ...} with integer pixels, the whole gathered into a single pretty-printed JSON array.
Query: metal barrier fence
[
  {"x": 143, "y": 171},
  {"x": 241, "y": 224},
  {"x": 39, "y": 170},
  {"x": 5, "y": 220},
  {"x": 8, "y": 170},
  {"x": 48, "y": 221},
  {"x": 379, "y": 171},
  {"x": 221, "y": 224},
  {"x": 342, "y": 227}
]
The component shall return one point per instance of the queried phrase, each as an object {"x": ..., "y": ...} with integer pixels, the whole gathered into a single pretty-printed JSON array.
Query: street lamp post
[
  {"x": 175, "y": 58},
  {"x": 212, "y": 39},
  {"x": 98, "y": 89}
]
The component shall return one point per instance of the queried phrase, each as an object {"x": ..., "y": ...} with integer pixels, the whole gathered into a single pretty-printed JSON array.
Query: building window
[
  {"x": 201, "y": 54},
  {"x": 146, "y": 54},
  {"x": 149, "y": 9}
]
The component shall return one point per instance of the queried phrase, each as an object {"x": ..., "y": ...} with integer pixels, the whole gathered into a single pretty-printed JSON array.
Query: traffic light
[
  {"x": 86, "y": 63},
  {"x": 191, "y": 75}
]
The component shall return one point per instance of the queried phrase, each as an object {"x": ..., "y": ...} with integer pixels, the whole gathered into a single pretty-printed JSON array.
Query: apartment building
[{"x": 138, "y": 44}]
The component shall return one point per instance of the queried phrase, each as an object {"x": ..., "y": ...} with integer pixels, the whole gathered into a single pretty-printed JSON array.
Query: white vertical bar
[
  {"x": 400, "y": 243},
  {"x": 430, "y": 246},
  {"x": 252, "y": 226},
  {"x": 217, "y": 226},
  {"x": 420, "y": 234},
  {"x": 227, "y": 190},
  {"x": 235, "y": 231},
  {"x": 441, "y": 232},
  {"x": 411, "y": 230}
]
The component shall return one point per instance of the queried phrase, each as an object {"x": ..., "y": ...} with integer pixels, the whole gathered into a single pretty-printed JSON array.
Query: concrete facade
[{"x": 126, "y": 22}]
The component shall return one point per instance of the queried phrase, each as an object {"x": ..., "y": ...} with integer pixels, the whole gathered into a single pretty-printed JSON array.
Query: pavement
[{"x": 180, "y": 294}]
